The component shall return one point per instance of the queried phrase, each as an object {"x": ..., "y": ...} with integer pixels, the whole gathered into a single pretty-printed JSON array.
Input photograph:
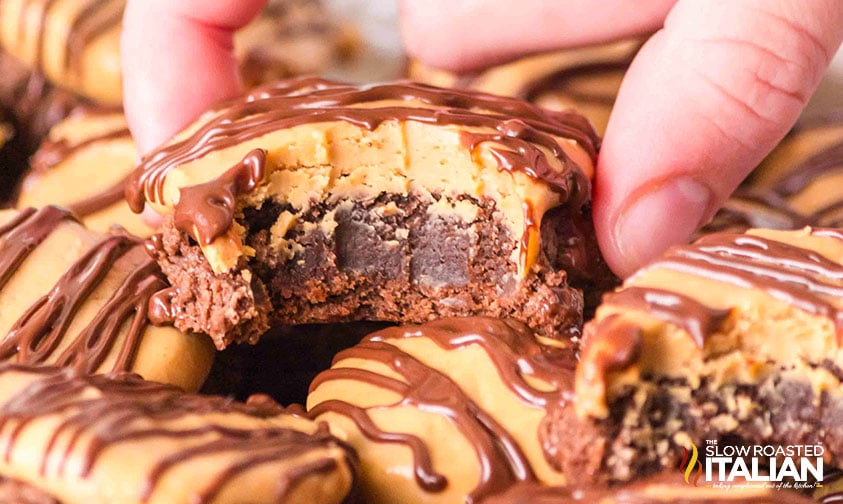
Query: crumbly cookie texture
[
  {"x": 75, "y": 297},
  {"x": 737, "y": 336},
  {"x": 315, "y": 201},
  {"x": 83, "y": 165},
  {"x": 585, "y": 79},
  {"x": 118, "y": 438},
  {"x": 76, "y": 43},
  {"x": 454, "y": 410}
]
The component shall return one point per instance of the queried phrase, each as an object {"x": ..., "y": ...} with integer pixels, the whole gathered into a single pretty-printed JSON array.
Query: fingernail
[{"x": 666, "y": 215}]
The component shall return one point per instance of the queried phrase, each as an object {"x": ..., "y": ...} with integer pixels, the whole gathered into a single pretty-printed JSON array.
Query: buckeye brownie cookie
[
  {"x": 315, "y": 201},
  {"x": 74, "y": 297},
  {"x": 118, "y": 438},
  {"x": 75, "y": 44},
  {"x": 735, "y": 337},
  {"x": 83, "y": 165},
  {"x": 585, "y": 79},
  {"x": 454, "y": 410}
]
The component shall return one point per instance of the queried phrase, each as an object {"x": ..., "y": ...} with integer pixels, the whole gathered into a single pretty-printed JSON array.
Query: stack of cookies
[{"x": 411, "y": 268}]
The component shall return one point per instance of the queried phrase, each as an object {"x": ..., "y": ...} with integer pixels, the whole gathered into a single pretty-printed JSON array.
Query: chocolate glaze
[
  {"x": 106, "y": 411},
  {"x": 514, "y": 352},
  {"x": 521, "y": 129},
  {"x": 791, "y": 274},
  {"x": 750, "y": 208},
  {"x": 37, "y": 335}
]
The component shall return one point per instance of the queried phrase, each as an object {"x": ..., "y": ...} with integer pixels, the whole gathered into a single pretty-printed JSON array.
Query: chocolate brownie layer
[
  {"x": 736, "y": 336},
  {"x": 395, "y": 202},
  {"x": 355, "y": 260}
]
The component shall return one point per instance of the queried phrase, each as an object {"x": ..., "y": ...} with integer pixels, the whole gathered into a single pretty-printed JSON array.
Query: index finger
[{"x": 177, "y": 60}]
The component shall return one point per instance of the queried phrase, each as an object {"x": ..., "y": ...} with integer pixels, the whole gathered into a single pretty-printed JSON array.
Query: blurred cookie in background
[
  {"x": 799, "y": 184},
  {"x": 83, "y": 165},
  {"x": 585, "y": 79}
]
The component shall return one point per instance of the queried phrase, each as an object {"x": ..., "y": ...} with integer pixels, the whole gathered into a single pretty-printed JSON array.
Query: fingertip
[
  {"x": 151, "y": 218},
  {"x": 177, "y": 61},
  {"x": 699, "y": 108}
]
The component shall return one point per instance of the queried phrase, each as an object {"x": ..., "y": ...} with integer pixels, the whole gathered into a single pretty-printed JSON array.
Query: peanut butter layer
[
  {"x": 584, "y": 79},
  {"x": 118, "y": 438},
  {"x": 76, "y": 43},
  {"x": 738, "y": 333},
  {"x": 83, "y": 165},
  {"x": 74, "y": 297},
  {"x": 450, "y": 411}
]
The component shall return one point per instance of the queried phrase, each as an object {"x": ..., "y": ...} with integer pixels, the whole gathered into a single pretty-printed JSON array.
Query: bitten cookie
[
  {"x": 584, "y": 79},
  {"x": 315, "y": 201},
  {"x": 83, "y": 165},
  {"x": 74, "y": 297},
  {"x": 120, "y": 439},
  {"x": 736, "y": 336},
  {"x": 450, "y": 411}
]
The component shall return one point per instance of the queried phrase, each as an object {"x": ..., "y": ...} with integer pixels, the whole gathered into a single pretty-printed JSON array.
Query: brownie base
[
  {"x": 640, "y": 435},
  {"x": 393, "y": 259}
]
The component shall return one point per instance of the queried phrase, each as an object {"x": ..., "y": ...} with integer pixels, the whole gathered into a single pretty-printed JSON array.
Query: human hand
[
  {"x": 178, "y": 59},
  {"x": 709, "y": 95}
]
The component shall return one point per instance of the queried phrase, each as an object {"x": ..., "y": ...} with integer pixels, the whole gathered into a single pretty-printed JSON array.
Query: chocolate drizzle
[
  {"x": 682, "y": 311},
  {"x": 515, "y": 354},
  {"x": 206, "y": 211},
  {"x": 104, "y": 412},
  {"x": 560, "y": 81},
  {"x": 39, "y": 335},
  {"x": 522, "y": 134},
  {"x": 791, "y": 274}
]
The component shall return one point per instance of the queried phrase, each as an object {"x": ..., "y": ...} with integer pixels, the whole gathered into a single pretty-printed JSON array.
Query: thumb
[{"x": 705, "y": 100}]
